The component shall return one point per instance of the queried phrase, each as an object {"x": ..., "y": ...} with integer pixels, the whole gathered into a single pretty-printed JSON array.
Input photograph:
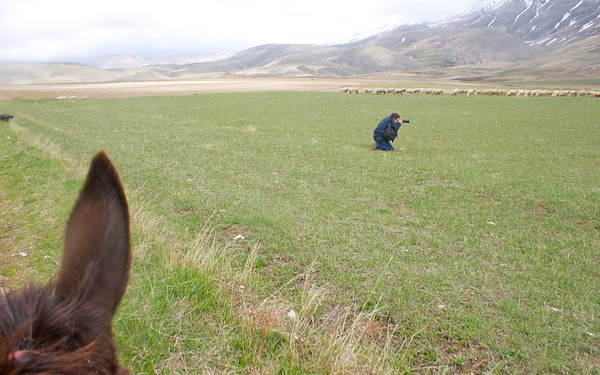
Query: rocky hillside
[
  {"x": 541, "y": 37},
  {"x": 505, "y": 39},
  {"x": 548, "y": 24}
]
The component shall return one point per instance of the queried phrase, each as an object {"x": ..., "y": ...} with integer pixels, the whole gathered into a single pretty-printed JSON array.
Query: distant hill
[
  {"x": 117, "y": 62},
  {"x": 505, "y": 39},
  {"x": 27, "y": 73}
]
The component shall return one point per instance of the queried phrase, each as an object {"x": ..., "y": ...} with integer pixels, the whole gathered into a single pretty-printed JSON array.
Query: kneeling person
[{"x": 383, "y": 138}]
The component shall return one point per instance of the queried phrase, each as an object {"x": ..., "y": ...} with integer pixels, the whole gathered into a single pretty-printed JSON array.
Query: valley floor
[{"x": 151, "y": 88}]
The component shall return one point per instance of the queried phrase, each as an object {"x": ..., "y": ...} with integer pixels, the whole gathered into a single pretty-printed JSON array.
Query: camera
[{"x": 405, "y": 121}]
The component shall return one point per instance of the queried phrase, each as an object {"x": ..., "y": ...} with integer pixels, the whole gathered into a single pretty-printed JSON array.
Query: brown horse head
[{"x": 65, "y": 326}]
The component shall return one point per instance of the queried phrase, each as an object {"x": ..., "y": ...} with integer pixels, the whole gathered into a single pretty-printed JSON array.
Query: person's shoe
[{"x": 374, "y": 146}]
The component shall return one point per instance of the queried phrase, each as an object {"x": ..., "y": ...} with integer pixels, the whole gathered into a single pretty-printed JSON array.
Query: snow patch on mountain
[{"x": 545, "y": 23}]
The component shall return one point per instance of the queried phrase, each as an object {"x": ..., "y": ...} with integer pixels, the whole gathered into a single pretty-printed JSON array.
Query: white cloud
[{"x": 61, "y": 30}]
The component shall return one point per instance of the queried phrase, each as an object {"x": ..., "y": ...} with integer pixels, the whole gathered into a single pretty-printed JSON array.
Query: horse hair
[{"x": 65, "y": 325}]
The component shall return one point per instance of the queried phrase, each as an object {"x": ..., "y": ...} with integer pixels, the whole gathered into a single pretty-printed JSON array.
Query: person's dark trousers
[{"x": 383, "y": 144}]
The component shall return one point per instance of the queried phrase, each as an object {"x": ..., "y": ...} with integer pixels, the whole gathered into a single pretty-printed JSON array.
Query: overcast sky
[{"x": 77, "y": 30}]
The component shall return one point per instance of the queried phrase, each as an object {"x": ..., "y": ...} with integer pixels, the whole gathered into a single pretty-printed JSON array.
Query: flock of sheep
[{"x": 493, "y": 92}]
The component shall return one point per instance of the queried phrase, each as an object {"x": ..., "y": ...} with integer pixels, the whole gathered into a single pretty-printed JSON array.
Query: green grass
[{"x": 474, "y": 248}]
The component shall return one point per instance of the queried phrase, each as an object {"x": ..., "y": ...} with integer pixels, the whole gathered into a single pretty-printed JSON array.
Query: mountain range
[{"x": 492, "y": 40}]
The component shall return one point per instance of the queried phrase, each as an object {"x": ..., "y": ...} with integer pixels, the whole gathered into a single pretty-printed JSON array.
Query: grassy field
[{"x": 472, "y": 249}]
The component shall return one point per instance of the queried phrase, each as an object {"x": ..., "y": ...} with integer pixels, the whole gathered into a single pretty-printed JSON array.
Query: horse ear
[{"x": 97, "y": 251}]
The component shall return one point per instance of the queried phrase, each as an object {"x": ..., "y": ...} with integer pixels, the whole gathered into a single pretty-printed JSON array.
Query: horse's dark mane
[
  {"x": 36, "y": 317},
  {"x": 65, "y": 326}
]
